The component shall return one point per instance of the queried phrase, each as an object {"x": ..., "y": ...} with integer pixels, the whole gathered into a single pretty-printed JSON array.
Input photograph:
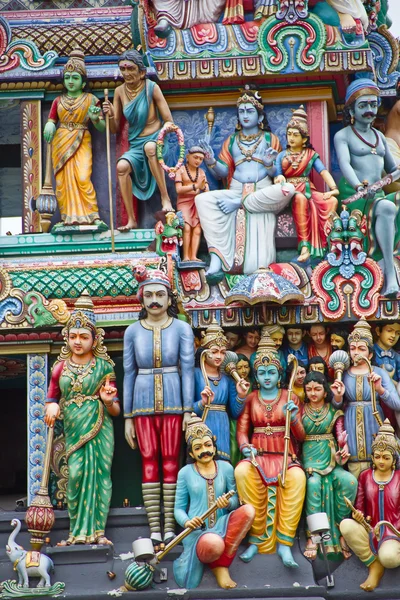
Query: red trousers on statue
[
  {"x": 159, "y": 437},
  {"x": 216, "y": 551}
]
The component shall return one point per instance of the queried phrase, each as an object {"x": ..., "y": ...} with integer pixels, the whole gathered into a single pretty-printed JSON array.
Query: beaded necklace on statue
[
  {"x": 131, "y": 94},
  {"x": 210, "y": 492},
  {"x": 360, "y": 137},
  {"x": 295, "y": 158},
  {"x": 78, "y": 372},
  {"x": 189, "y": 175},
  {"x": 70, "y": 103},
  {"x": 248, "y": 152},
  {"x": 316, "y": 415},
  {"x": 214, "y": 380},
  {"x": 269, "y": 405},
  {"x": 251, "y": 137}
]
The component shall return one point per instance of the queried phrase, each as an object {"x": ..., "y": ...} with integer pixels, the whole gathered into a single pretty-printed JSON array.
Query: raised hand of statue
[
  {"x": 249, "y": 451},
  {"x": 377, "y": 381},
  {"x": 107, "y": 392},
  {"x": 270, "y": 157},
  {"x": 52, "y": 413},
  {"x": 242, "y": 388},
  {"x": 338, "y": 390},
  {"x": 194, "y": 523},
  {"x": 207, "y": 396},
  {"x": 130, "y": 433},
  {"x": 209, "y": 157},
  {"x": 49, "y": 131},
  {"x": 108, "y": 108},
  {"x": 342, "y": 455},
  {"x": 294, "y": 409},
  {"x": 358, "y": 516},
  {"x": 222, "y": 502},
  {"x": 94, "y": 113}
]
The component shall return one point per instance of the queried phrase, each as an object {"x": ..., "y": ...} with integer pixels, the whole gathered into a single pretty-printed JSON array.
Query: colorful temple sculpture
[{"x": 199, "y": 299}]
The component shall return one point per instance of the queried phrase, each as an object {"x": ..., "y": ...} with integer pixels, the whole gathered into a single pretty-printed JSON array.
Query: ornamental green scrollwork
[{"x": 292, "y": 48}]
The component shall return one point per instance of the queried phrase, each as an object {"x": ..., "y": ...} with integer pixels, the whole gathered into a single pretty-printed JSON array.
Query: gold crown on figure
[
  {"x": 299, "y": 121},
  {"x": 83, "y": 317},
  {"x": 196, "y": 429},
  {"x": 251, "y": 96},
  {"x": 214, "y": 336},
  {"x": 361, "y": 333},
  {"x": 266, "y": 352},
  {"x": 385, "y": 439},
  {"x": 76, "y": 62}
]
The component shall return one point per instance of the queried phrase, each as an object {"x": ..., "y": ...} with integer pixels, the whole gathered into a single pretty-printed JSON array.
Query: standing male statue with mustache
[
  {"x": 158, "y": 394},
  {"x": 363, "y": 156}
]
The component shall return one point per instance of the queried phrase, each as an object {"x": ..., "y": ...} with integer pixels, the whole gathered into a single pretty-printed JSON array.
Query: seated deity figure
[
  {"x": 311, "y": 209},
  {"x": 261, "y": 439},
  {"x": 239, "y": 222},
  {"x": 203, "y": 481},
  {"x": 378, "y": 499},
  {"x": 183, "y": 14},
  {"x": 363, "y": 155},
  {"x": 220, "y": 396},
  {"x": 141, "y": 102},
  {"x": 353, "y": 396}
]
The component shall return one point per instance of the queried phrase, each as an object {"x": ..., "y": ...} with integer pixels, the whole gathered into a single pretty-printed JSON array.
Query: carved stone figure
[
  {"x": 296, "y": 345},
  {"x": 83, "y": 382},
  {"x": 182, "y": 14},
  {"x": 311, "y": 209},
  {"x": 143, "y": 105},
  {"x": 261, "y": 438},
  {"x": 324, "y": 453},
  {"x": 388, "y": 335},
  {"x": 28, "y": 563},
  {"x": 200, "y": 483},
  {"x": 353, "y": 394},
  {"x": 218, "y": 395},
  {"x": 378, "y": 498},
  {"x": 239, "y": 222},
  {"x": 363, "y": 154},
  {"x": 190, "y": 181},
  {"x": 251, "y": 338},
  {"x": 71, "y": 145},
  {"x": 321, "y": 345},
  {"x": 339, "y": 339},
  {"x": 158, "y": 394}
]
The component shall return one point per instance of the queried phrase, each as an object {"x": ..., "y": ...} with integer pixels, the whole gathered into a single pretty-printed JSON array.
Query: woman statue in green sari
[
  {"x": 325, "y": 450},
  {"x": 82, "y": 387}
]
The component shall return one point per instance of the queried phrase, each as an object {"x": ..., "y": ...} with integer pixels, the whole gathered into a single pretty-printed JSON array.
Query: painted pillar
[
  {"x": 318, "y": 126},
  {"x": 31, "y": 161},
  {"x": 37, "y": 392}
]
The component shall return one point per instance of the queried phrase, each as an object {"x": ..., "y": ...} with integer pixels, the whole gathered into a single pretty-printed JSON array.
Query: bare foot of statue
[
  {"x": 391, "y": 286},
  {"x": 249, "y": 554},
  {"x": 345, "y": 549},
  {"x": 162, "y": 28},
  {"x": 304, "y": 254},
  {"x": 228, "y": 205},
  {"x": 223, "y": 578},
  {"x": 285, "y": 554},
  {"x": 166, "y": 204},
  {"x": 103, "y": 541},
  {"x": 311, "y": 550},
  {"x": 375, "y": 574},
  {"x": 131, "y": 224},
  {"x": 195, "y": 259},
  {"x": 215, "y": 265}
]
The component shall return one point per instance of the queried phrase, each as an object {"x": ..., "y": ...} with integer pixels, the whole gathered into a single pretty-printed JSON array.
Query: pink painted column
[{"x": 318, "y": 126}]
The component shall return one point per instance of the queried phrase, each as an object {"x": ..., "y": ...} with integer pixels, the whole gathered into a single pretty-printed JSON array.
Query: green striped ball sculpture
[{"x": 138, "y": 576}]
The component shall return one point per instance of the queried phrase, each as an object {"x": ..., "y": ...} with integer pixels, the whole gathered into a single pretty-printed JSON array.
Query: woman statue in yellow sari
[
  {"x": 83, "y": 386},
  {"x": 72, "y": 145}
]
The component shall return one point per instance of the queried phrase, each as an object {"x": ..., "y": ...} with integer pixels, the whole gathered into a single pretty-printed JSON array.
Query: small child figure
[{"x": 191, "y": 180}]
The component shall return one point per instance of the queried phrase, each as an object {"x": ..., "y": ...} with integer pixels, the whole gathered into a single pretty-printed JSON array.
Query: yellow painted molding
[{"x": 26, "y": 348}]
